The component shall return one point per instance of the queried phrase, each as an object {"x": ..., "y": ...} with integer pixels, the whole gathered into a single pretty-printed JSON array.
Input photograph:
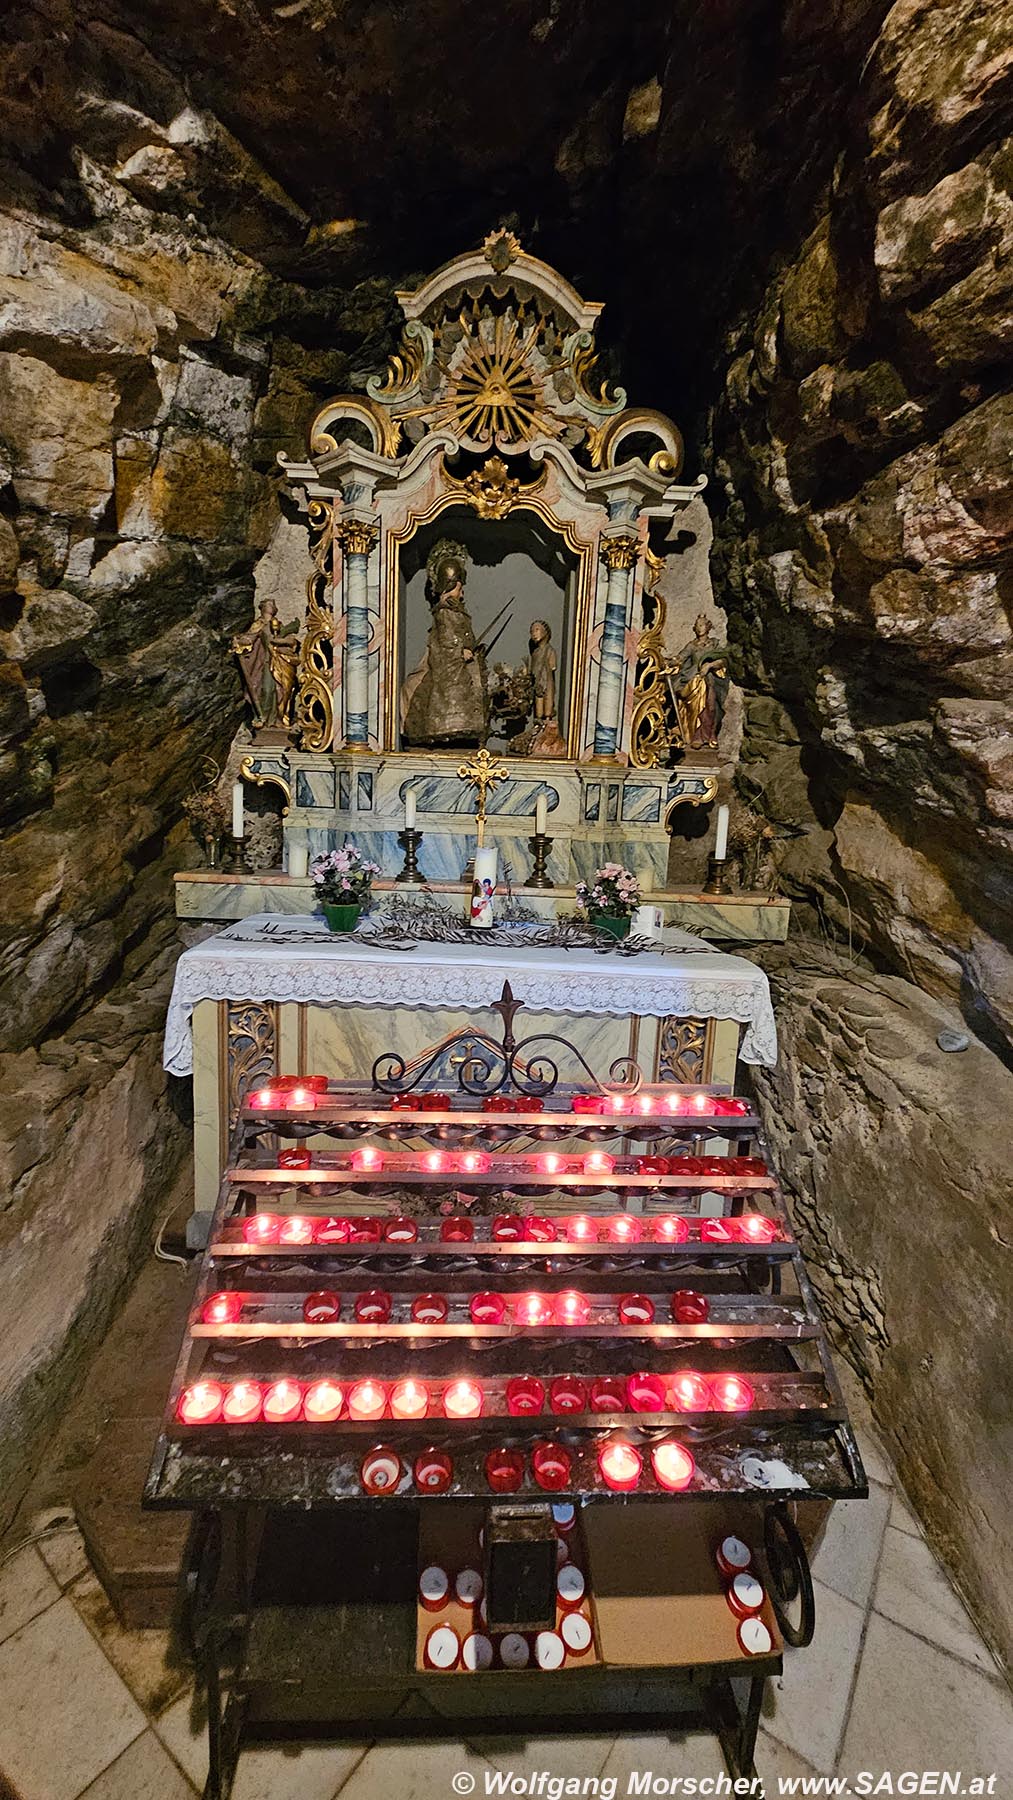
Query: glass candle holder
[
  {"x": 671, "y": 1228},
  {"x": 433, "y": 1471},
  {"x": 653, "y": 1165},
  {"x": 645, "y": 1392},
  {"x": 332, "y": 1231},
  {"x": 367, "y": 1400},
  {"x": 532, "y": 1309},
  {"x": 363, "y": 1230},
  {"x": 221, "y": 1309},
  {"x": 525, "y": 1394},
  {"x": 620, "y": 1465},
  {"x": 551, "y": 1466},
  {"x": 243, "y": 1403},
  {"x": 688, "y": 1392},
  {"x": 463, "y": 1400},
  {"x": 624, "y": 1228},
  {"x": 508, "y": 1228},
  {"x": 294, "y": 1158},
  {"x": 581, "y": 1229},
  {"x": 296, "y": 1229},
  {"x": 322, "y": 1308},
  {"x": 405, "y": 1103},
  {"x": 487, "y": 1309},
  {"x": 689, "y": 1308},
  {"x": 262, "y": 1228},
  {"x": 322, "y": 1402},
  {"x": 588, "y": 1103},
  {"x": 731, "y": 1394},
  {"x": 755, "y": 1228},
  {"x": 457, "y": 1230},
  {"x": 497, "y": 1103},
  {"x": 282, "y": 1402},
  {"x": 636, "y": 1309},
  {"x": 409, "y": 1400},
  {"x": 435, "y": 1102},
  {"x": 367, "y": 1157},
  {"x": 551, "y": 1163},
  {"x": 201, "y": 1403},
  {"x": 567, "y": 1394},
  {"x": 265, "y": 1099},
  {"x": 540, "y": 1231},
  {"x": 400, "y": 1231},
  {"x": 608, "y": 1394},
  {"x": 475, "y": 1162},
  {"x": 373, "y": 1307},
  {"x": 504, "y": 1471},
  {"x": 717, "y": 1231},
  {"x": 381, "y": 1470},
  {"x": 571, "y": 1308},
  {"x": 429, "y": 1309},
  {"x": 435, "y": 1162},
  {"x": 673, "y": 1466}
]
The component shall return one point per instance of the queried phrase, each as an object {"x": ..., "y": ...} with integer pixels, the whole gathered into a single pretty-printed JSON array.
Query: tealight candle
[
  {"x": 433, "y": 1471},
  {"x": 619, "y": 1103},
  {"x": 364, "y": 1230},
  {"x": 551, "y": 1466},
  {"x": 368, "y": 1157},
  {"x": 504, "y": 1470},
  {"x": 636, "y": 1309},
  {"x": 321, "y": 1308},
  {"x": 476, "y": 1652},
  {"x": 457, "y": 1230},
  {"x": 264, "y": 1099},
  {"x": 468, "y": 1586},
  {"x": 672, "y": 1228},
  {"x": 373, "y": 1307},
  {"x": 298, "y": 1158},
  {"x": 676, "y": 1103},
  {"x": 731, "y": 1393},
  {"x": 332, "y": 1231},
  {"x": 429, "y": 1309},
  {"x": 588, "y": 1103},
  {"x": 567, "y": 1394},
  {"x": 540, "y": 1231},
  {"x": 524, "y": 1394},
  {"x": 201, "y": 1404},
  {"x": 221, "y": 1309},
  {"x": 608, "y": 1394},
  {"x": 564, "y": 1515},
  {"x": 550, "y": 1650},
  {"x": 283, "y": 1402},
  {"x": 754, "y": 1637},
  {"x": 367, "y": 1400},
  {"x": 688, "y": 1392},
  {"x": 673, "y": 1466},
  {"x": 262, "y": 1228},
  {"x": 406, "y": 1103},
  {"x": 570, "y": 1585},
  {"x": 717, "y": 1231},
  {"x": 645, "y": 1392},
  {"x": 323, "y": 1402},
  {"x": 571, "y": 1308},
  {"x": 745, "y": 1595},
  {"x": 576, "y": 1633},
  {"x": 653, "y": 1165},
  {"x": 243, "y": 1402},
  {"x": 487, "y": 1309},
  {"x": 463, "y": 1400},
  {"x": 300, "y": 1098},
  {"x": 646, "y": 1103},
  {"x": 296, "y": 1230},
  {"x": 475, "y": 1162},
  {"x": 689, "y": 1308},
  {"x": 434, "y": 1161},
  {"x": 400, "y": 1231},
  {"x": 508, "y": 1228},
  {"x": 514, "y": 1650},
  {"x": 599, "y": 1162},
  {"x": 434, "y": 1587},
  {"x": 532, "y": 1309},
  {"x": 732, "y": 1557},
  {"x": 581, "y": 1229},
  {"x": 625, "y": 1228},
  {"x": 620, "y": 1465},
  {"x": 551, "y": 1163},
  {"x": 381, "y": 1470},
  {"x": 701, "y": 1103},
  {"x": 755, "y": 1228},
  {"x": 409, "y": 1400}
]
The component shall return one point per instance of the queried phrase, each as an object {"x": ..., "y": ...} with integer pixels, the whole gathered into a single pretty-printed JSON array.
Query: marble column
[
  {"x": 357, "y": 538},
  {"x": 619, "y": 555}
]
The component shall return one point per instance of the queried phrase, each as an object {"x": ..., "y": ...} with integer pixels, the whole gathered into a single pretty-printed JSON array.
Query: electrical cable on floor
[
  {"x": 168, "y": 1255},
  {"x": 37, "y": 1537}
]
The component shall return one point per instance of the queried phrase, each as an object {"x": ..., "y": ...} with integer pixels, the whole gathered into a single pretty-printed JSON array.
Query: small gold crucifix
[{"x": 482, "y": 774}]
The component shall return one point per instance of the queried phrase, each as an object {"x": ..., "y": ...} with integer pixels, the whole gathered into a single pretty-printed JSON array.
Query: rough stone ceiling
[{"x": 660, "y": 154}]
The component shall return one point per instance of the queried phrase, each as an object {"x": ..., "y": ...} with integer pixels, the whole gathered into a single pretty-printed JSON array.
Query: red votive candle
[
  {"x": 677, "y": 1103},
  {"x": 367, "y": 1400},
  {"x": 400, "y": 1231},
  {"x": 317, "y": 1084},
  {"x": 524, "y": 1394},
  {"x": 588, "y": 1103},
  {"x": 731, "y": 1393},
  {"x": 435, "y": 1102},
  {"x": 526, "y": 1103},
  {"x": 551, "y": 1163},
  {"x": 435, "y": 1161},
  {"x": 567, "y": 1394},
  {"x": 262, "y": 1228},
  {"x": 487, "y": 1309},
  {"x": 433, "y": 1471},
  {"x": 409, "y": 1399},
  {"x": 294, "y": 1159},
  {"x": 322, "y": 1308},
  {"x": 673, "y": 1466},
  {"x": 620, "y": 1465},
  {"x": 381, "y": 1470},
  {"x": 570, "y": 1586},
  {"x": 221, "y": 1309},
  {"x": 755, "y": 1228},
  {"x": 653, "y": 1165},
  {"x": 701, "y": 1103},
  {"x": 645, "y": 1392},
  {"x": 367, "y": 1157},
  {"x": 581, "y": 1229},
  {"x": 323, "y": 1402},
  {"x": 608, "y": 1394},
  {"x": 243, "y": 1403},
  {"x": 429, "y": 1309},
  {"x": 636, "y": 1309},
  {"x": 619, "y": 1103},
  {"x": 497, "y": 1103},
  {"x": 571, "y": 1308},
  {"x": 475, "y": 1162},
  {"x": 300, "y": 1098},
  {"x": 332, "y": 1231},
  {"x": 688, "y": 1392},
  {"x": 457, "y": 1231},
  {"x": 532, "y": 1309},
  {"x": 373, "y": 1307},
  {"x": 599, "y": 1162},
  {"x": 624, "y": 1229},
  {"x": 717, "y": 1231},
  {"x": 646, "y": 1103},
  {"x": 265, "y": 1099},
  {"x": 296, "y": 1229},
  {"x": 463, "y": 1400},
  {"x": 201, "y": 1404},
  {"x": 689, "y": 1308},
  {"x": 504, "y": 1470},
  {"x": 551, "y": 1466},
  {"x": 508, "y": 1228},
  {"x": 540, "y": 1231},
  {"x": 672, "y": 1228},
  {"x": 364, "y": 1230},
  {"x": 283, "y": 1402}
]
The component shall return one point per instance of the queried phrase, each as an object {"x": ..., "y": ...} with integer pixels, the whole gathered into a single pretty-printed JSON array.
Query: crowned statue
[
  {"x": 444, "y": 700},
  {"x": 268, "y": 664},
  {"x": 698, "y": 682}
]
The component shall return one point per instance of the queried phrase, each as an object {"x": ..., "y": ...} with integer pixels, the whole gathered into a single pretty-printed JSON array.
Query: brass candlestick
[
  {"x": 716, "y": 882},
  {"x": 236, "y": 855},
  {"x": 539, "y": 845},
  {"x": 409, "y": 840}
]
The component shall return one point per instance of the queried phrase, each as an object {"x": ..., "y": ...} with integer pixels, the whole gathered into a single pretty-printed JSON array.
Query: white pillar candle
[
  {"x": 483, "y": 888},
  {"x": 409, "y": 809},
  {"x": 298, "y": 861},
  {"x": 721, "y": 840},
  {"x": 237, "y": 809},
  {"x": 541, "y": 815}
]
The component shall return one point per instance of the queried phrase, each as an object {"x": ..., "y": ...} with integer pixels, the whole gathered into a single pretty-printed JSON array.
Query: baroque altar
[{"x": 496, "y": 539}]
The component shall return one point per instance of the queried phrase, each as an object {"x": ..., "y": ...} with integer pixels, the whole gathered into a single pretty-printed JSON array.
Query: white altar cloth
[{"x": 279, "y": 957}]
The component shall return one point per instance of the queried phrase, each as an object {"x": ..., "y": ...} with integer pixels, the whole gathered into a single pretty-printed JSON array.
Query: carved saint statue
[
  {"x": 444, "y": 700},
  {"x": 542, "y": 663},
  {"x": 268, "y": 664},
  {"x": 698, "y": 682}
]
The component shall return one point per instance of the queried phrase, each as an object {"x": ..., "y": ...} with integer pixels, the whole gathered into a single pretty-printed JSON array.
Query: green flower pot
[
  {"x": 342, "y": 918},
  {"x": 619, "y": 928}
]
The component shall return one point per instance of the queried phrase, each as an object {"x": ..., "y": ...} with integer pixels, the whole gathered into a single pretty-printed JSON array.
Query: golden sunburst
[{"x": 495, "y": 394}]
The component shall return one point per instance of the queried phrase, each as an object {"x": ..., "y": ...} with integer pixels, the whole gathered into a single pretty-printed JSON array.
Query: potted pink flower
[
  {"x": 611, "y": 899},
  {"x": 343, "y": 882}
]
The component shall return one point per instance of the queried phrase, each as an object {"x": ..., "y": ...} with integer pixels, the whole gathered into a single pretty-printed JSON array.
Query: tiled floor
[{"x": 896, "y": 1679}]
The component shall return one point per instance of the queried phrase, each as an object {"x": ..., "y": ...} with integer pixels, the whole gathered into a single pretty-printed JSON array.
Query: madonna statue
[{"x": 444, "y": 700}]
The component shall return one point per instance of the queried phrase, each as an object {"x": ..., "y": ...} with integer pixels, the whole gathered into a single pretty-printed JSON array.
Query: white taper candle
[
  {"x": 541, "y": 815},
  {"x": 721, "y": 841},
  {"x": 409, "y": 809},
  {"x": 237, "y": 809}
]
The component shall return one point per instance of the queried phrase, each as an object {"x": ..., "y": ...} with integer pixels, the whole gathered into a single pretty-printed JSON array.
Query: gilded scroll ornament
[
  {"x": 315, "y": 705},
  {"x": 492, "y": 490},
  {"x": 685, "y": 1051},
  {"x": 251, "y": 1041},
  {"x": 266, "y": 778}
]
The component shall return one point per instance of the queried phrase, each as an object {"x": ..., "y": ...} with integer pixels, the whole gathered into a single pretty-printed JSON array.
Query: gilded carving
[
  {"x": 357, "y": 537},
  {"x": 315, "y": 705},
  {"x": 619, "y": 552},
  {"x": 251, "y": 1042},
  {"x": 492, "y": 490},
  {"x": 266, "y": 778},
  {"x": 685, "y": 1050}
]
